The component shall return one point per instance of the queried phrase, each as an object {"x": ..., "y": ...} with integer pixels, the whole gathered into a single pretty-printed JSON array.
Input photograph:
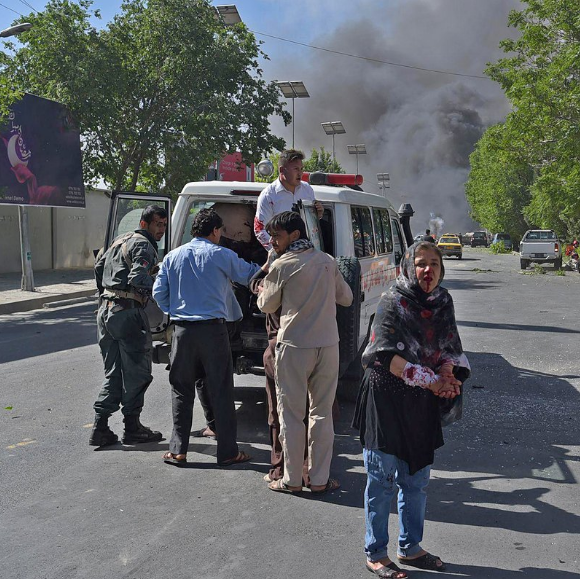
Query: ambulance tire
[{"x": 348, "y": 318}]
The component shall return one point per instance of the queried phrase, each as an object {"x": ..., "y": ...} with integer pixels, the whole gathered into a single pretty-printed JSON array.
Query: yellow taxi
[{"x": 450, "y": 245}]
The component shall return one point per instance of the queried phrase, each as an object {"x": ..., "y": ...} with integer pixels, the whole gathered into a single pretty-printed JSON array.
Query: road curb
[{"x": 38, "y": 302}]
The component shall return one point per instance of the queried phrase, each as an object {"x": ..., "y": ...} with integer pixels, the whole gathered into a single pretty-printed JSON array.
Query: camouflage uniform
[{"x": 124, "y": 278}]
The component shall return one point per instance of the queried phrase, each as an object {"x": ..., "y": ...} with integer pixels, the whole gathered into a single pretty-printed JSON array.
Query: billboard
[
  {"x": 231, "y": 168},
  {"x": 40, "y": 155}
]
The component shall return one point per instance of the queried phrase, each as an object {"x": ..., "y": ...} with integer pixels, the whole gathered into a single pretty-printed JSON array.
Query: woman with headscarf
[{"x": 415, "y": 363}]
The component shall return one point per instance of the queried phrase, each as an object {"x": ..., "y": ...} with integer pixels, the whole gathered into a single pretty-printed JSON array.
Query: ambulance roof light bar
[{"x": 319, "y": 178}]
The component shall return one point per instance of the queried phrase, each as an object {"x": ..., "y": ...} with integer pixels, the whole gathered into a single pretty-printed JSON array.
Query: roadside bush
[
  {"x": 539, "y": 269},
  {"x": 499, "y": 247}
]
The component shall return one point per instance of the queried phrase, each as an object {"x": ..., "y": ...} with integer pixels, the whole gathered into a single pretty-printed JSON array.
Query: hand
[
  {"x": 447, "y": 386},
  {"x": 319, "y": 209}
]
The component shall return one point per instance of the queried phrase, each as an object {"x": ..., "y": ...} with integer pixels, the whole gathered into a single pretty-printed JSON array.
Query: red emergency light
[{"x": 319, "y": 178}]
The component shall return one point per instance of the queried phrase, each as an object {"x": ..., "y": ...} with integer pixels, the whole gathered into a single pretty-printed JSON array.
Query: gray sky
[{"x": 418, "y": 126}]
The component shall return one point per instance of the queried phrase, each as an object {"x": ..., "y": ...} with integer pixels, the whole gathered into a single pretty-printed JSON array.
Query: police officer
[{"x": 124, "y": 278}]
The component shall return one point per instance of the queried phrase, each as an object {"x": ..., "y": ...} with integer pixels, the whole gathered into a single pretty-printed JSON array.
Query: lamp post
[
  {"x": 292, "y": 89},
  {"x": 333, "y": 128},
  {"x": 16, "y": 29},
  {"x": 357, "y": 150},
  {"x": 384, "y": 180},
  {"x": 228, "y": 14},
  {"x": 27, "y": 281}
]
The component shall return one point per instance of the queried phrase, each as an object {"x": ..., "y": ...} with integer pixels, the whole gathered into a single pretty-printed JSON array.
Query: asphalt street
[{"x": 503, "y": 503}]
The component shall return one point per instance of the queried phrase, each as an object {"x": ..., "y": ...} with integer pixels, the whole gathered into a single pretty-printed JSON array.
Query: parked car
[
  {"x": 505, "y": 238},
  {"x": 450, "y": 245},
  {"x": 361, "y": 230},
  {"x": 479, "y": 239},
  {"x": 540, "y": 246}
]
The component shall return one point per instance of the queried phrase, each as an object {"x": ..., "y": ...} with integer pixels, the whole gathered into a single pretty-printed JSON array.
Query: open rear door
[{"x": 124, "y": 216}]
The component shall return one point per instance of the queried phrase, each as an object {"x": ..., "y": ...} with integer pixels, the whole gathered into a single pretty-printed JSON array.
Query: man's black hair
[
  {"x": 152, "y": 210},
  {"x": 288, "y": 221},
  {"x": 427, "y": 232},
  {"x": 205, "y": 222}
]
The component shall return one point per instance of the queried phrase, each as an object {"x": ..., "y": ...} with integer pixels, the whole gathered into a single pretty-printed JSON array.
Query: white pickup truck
[{"x": 540, "y": 246}]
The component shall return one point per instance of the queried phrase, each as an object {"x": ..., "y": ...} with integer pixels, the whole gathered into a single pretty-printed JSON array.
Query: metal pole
[
  {"x": 293, "y": 122},
  {"x": 357, "y": 162},
  {"x": 27, "y": 283},
  {"x": 333, "y": 154}
]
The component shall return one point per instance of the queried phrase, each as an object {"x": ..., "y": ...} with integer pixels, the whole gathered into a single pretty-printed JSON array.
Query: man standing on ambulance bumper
[
  {"x": 124, "y": 279},
  {"x": 283, "y": 194}
]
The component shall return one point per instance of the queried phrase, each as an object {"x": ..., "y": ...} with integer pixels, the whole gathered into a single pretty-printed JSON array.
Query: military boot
[
  {"x": 136, "y": 433},
  {"x": 101, "y": 434}
]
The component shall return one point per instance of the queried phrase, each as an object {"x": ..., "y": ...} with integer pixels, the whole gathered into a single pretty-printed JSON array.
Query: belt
[
  {"x": 124, "y": 303},
  {"x": 210, "y": 321},
  {"x": 114, "y": 293}
]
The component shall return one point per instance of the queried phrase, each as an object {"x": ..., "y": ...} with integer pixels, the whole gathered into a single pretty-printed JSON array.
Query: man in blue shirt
[{"x": 193, "y": 288}]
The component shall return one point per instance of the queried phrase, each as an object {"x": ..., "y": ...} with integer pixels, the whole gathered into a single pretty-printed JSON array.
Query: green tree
[
  {"x": 541, "y": 78},
  {"x": 498, "y": 189},
  {"x": 160, "y": 92},
  {"x": 321, "y": 160}
]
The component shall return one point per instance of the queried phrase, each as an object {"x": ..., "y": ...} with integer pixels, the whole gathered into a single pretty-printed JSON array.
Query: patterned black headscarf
[{"x": 418, "y": 326}]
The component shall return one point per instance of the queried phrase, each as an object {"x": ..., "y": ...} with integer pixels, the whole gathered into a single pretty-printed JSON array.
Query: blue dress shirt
[{"x": 194, "y": 280}]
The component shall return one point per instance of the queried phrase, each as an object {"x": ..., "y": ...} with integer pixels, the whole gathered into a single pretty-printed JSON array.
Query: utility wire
[
  {"x": 11, "y": 10},
  {"x": 29, "y": 5},
  {"x": 370, "y": 59}
]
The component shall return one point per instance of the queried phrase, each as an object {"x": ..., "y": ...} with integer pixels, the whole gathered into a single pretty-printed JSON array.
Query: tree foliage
[
  {"x": 160, "y": 92},
  {"x": 321, "y": 160},
  {"x": 498, "y": 186},
  {"x": 541, "y": 77}
]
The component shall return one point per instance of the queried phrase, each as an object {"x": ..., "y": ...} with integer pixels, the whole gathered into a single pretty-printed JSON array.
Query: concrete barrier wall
[{"x": 59, "y": 238}]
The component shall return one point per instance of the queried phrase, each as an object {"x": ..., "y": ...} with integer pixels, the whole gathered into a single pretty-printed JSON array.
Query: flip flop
[
  {"x": 279, "y": 486},
  {"x": 239, "y": 458},
  {"x": 170, "y": 458},
  {"x": 426, "y": 561},
  {"x": 390, "y": 571},
  {"x": 331, "y": 485},
  {"x": 201, "y": 434}
]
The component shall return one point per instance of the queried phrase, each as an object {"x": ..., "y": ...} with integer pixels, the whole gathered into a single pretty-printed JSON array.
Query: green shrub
[
  {"x": 499, "y": 247},
  {"x": 539, "y": 269}
]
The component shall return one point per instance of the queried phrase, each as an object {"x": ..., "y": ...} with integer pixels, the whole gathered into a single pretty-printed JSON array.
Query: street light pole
[
  {"x": 292, "y": 89},
  {"x": 333, "y": 128},
  {"x": 357, "y": 150},
  {"x": 384, "y": 180},
  {"x": 27, "y": 281}
]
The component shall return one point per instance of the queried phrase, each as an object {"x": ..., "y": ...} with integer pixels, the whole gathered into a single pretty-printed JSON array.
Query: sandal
[
  {"x": 279, "y": 486},
  {"x": 204, "y": 433},
  {"x": 390, "y": 571},
  {"x": 426, "y": 561},
  {"x": 331, "y": 485},
  {"x": 171, "y": 458},
  {"x": 239, "y": 458}
]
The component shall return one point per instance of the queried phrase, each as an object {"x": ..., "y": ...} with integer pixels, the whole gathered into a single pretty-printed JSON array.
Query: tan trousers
[{"x": 306, "y": 380}]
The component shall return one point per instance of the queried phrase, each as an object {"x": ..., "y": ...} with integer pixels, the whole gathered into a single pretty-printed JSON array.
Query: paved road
[{"x": 503, "y": 501}]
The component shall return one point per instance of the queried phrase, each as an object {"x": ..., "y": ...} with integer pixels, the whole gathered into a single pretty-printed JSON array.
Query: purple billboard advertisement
[{"x": 40, "y": 155}]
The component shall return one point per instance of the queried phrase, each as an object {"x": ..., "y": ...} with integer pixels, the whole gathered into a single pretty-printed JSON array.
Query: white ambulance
[{"x": 361, "y": 230}]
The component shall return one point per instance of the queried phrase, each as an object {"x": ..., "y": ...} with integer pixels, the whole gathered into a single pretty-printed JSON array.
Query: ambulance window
[
  {"x": 362, "y": 231},
  {"x": 195, "y": 207},
  {"x": 398, "y": 239},
  {"x": 383, "y": 231}
]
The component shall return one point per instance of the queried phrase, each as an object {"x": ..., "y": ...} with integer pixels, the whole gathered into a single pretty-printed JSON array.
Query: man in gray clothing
[{"x": 124, "y": 278}]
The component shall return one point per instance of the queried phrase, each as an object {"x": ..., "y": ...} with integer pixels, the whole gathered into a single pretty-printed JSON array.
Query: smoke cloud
[{"x": 418, "y": 126}]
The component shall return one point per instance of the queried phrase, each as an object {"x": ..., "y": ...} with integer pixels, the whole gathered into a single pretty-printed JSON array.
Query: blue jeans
[{"x": 385, "y": 474}]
